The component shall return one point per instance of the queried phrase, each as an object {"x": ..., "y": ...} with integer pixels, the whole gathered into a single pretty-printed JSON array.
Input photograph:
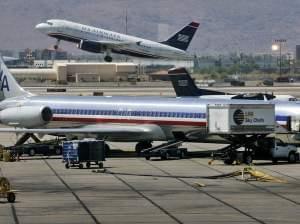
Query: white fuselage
[{"x": 134, "y": 46}]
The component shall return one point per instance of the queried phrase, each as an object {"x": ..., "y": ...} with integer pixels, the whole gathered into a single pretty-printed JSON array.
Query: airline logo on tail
[
  {"x": 183, "y": 82},
  {"x": 3, "y": 80},
  {"x": 183, "y": 38}
]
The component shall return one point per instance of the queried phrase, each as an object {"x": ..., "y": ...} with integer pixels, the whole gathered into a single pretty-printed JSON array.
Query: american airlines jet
[
  {"x": 98, "y": 40},
  {"x": 131, "y": 119}
]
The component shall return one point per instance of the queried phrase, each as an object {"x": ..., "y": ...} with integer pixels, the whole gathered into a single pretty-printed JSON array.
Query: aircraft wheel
[
  {"x": 11, "y": 197},
  {"x": 80, "y": 166},
  {"x": 55, "y": 47},
  {"x": 141, "y": 146},
  {"x": 108, "y": 58},
  {"x": 292, "y": 157},
  {"x": 67, "y": 165}
]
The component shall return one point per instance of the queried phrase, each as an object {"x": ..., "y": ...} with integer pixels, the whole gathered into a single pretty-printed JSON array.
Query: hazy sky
[{"x": 226, "y": 25}]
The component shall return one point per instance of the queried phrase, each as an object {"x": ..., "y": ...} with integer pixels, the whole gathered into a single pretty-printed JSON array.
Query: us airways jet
[
  {"x": 98, "y": 40},
  {"x": 185, "y": 86},
  {"x": 124, "y": 119}
]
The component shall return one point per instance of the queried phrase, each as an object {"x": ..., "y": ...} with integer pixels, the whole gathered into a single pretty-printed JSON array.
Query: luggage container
[{"x": 77, "y": 152}]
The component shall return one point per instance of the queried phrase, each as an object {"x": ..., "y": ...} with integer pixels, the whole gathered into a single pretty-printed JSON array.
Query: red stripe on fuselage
[{"x": 131, "y": 121}]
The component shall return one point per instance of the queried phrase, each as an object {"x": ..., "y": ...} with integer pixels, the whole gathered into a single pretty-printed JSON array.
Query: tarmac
[{"x": 141, "y": 191}]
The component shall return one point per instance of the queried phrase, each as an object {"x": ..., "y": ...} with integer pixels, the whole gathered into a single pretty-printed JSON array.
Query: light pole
[{"x": 277, "y": 45}]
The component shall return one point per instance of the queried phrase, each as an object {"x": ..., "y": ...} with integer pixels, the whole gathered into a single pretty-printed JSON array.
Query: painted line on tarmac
[
  {"x": 210, "y": 195},
  {"x": 73, "y": 193}
]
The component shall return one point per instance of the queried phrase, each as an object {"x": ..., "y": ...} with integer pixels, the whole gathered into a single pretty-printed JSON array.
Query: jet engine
[
  {"x": 91, "y": 46},
  {"x": 26, "y": 116}
]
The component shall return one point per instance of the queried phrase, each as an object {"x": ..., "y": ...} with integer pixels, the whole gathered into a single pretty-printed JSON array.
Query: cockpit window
[{"x": 49, "y": 23}]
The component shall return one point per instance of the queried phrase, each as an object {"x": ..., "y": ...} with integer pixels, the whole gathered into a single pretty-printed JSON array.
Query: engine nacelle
[
  {"x": 91, "y": 46},
  {"x": 26, "y": 116}
]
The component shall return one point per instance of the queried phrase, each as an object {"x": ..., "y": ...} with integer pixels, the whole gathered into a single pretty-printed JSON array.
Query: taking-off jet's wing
[{"x": 104, "y": 45}]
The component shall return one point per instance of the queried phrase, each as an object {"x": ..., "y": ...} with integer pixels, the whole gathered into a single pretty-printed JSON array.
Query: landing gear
[
  {"x": 108, "y": 58},
  {"x": 141, "y": 146},
  {"x": 56, "y": 45}
]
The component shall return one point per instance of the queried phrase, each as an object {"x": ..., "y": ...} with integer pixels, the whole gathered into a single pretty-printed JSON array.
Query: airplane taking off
[
  {"x": 98, "y": 40},
  {"x": 185, "y": 86},
  {"x": 124, "y": 119}
]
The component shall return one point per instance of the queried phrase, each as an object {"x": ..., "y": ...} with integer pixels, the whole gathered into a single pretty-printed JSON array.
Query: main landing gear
[
  {"x": 142, "y": 146},
  {"x": 108, "y": 58}
]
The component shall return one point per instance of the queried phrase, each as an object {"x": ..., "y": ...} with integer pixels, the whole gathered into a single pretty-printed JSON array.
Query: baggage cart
[{"x": 77, "y": 152}]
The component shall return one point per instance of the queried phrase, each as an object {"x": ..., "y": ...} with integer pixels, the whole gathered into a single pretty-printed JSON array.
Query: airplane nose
[{"x": 41, "y": 26}]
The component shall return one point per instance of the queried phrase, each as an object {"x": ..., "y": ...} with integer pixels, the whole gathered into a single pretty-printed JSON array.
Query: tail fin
[
  {"x": 8, "y": 85},
  {"x": 183, "y": 38},
  {"x": 184, "y": 85}
]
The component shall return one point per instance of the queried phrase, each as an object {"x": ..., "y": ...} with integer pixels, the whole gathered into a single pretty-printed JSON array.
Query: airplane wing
[
  {"x": 108, "y": 130},
  {"x": 111, "y": 44}
]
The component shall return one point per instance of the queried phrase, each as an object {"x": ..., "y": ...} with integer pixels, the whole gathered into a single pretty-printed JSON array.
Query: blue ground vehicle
[{"x": 76, "y": 152}]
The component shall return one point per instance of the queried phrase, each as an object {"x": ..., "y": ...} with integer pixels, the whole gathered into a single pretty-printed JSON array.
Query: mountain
[{"x": 226, "y": 25}]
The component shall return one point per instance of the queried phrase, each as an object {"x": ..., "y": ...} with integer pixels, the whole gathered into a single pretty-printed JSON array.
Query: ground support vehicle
[
  {"x": 274, "y": 149},
  {"x": 166, "y": 151},
  {"x": 263, "y": 149},
  {"x": 77, "y": 152},
  {"x": 47, "y": 148},
  {"x": 6, "y": 191}
]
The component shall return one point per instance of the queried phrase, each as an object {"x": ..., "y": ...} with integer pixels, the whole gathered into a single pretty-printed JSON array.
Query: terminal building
[{"x": 79, "y": 72}]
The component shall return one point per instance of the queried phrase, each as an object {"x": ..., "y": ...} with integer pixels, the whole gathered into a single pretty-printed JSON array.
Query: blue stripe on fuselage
[{"x": 140, "y": 113}]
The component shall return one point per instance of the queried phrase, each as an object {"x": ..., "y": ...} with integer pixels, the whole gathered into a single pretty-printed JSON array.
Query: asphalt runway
[{"x": 49, "y": 193}]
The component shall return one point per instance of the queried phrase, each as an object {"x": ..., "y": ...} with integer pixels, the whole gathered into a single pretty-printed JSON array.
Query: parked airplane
[
  {"x": 98, "y": 40},
  {"x": 125, "y": 119},
  {"x": 184, "y": 85}
]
